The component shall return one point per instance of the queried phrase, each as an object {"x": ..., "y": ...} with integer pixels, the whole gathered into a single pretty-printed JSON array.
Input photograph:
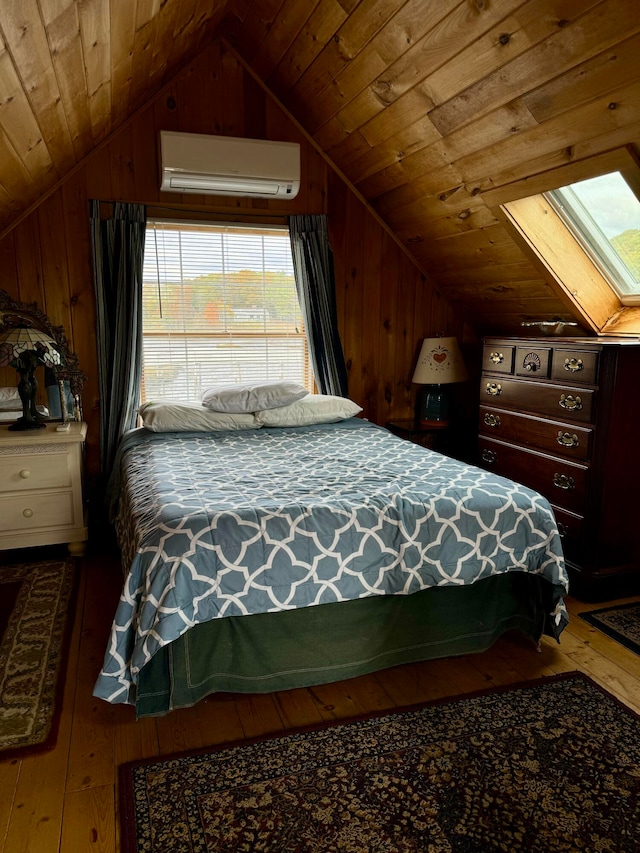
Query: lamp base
[
  {"x": 26, "y": 423},
  {"x": 433, "y": 407},
  {"x": 27, "y": 389}
]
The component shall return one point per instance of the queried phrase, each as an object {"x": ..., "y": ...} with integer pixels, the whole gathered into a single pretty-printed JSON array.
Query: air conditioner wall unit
[{"x": 228, "y": 165}]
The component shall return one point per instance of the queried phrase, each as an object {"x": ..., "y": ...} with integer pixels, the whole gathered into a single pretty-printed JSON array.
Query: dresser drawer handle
[
  {"x": 28, "y": 513},
  {"x": 492, "y": 420},
  {"x": 496, "y": 357},
  {"x": 563, "y": 530},
  {"x": 531, "y": 362},
  {"x": 563, "y": 481},
  {"x": 568, "y": 401},
  {"x": 494, "y": 389},
  {"x": 573, "y": 365},
  {"x": 489, "y": 456},
  {"x": 566, "y": 439},
  {"x": 25, "y": 474}
]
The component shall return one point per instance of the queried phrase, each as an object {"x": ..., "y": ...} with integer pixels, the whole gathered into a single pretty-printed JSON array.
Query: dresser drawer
[
  {"x": 574, "y": 365},
  {"x": 555, "y": 401},
  {"x": 569, "y": 524},
  {"x": 498, "y": 359},
  {"x": 30, "y": 471},
  {"x": 569, "y": 440},
  {"x": 591, "y": 477},
  {"x": 36, "y": 511},
  {"x": 532, "y": 361},
  {"x": 570, "y": 527},
  {"x": 562, "y": 482}
]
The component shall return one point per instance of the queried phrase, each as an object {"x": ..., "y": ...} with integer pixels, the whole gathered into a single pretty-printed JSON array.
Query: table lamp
[
  {"x": 439, "y": 365},
  {"x": 25, "y": 348}
]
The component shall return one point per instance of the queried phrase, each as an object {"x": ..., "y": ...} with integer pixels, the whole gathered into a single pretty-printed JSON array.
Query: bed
[{"x": 276, "y": 557}]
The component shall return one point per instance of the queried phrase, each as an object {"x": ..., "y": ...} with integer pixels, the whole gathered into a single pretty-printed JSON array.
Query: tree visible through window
[{"x": 219, "y": 306}]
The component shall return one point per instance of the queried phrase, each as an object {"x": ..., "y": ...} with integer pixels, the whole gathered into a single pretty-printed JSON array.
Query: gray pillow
[
  {"x": 174, "y": 416},
  {"x": 252, "y": 396},
  {"x": 314, "y": 409}
]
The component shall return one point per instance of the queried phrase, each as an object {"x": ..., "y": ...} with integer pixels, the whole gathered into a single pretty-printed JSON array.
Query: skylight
[{"x": 603, "y": 213}]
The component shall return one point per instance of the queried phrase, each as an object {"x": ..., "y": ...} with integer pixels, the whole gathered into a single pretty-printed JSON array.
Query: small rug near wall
[
  {"x": 621, "y": 622},
  {"x": 35, "y": 619},
  {"x": 551, "y": 765}
]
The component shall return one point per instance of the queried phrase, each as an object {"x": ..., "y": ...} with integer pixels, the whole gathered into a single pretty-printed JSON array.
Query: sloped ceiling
[
  {"x": 72, "y": 71},
  {"x": 430, "y": 109}
]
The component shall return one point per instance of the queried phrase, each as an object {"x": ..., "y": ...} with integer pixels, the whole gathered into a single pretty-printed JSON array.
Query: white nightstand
[{"x": 41, "y": 500}]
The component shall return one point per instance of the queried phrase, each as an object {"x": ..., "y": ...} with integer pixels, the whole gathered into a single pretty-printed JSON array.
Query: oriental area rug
[
  {"x": 621, "y": 622},
  {"x": 550, "y": 765},
  {"x": 35, "y": 604}
]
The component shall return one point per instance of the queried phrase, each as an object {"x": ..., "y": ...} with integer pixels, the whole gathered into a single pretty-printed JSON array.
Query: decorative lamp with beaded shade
[
  {"x": 439, "y": 365},
  {"x": 25, "y": 348}
]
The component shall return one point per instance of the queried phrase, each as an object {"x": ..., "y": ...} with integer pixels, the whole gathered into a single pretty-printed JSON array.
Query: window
[
  {"x": 603, "y": 213},
  {"x": 219, "y": 306},
  {"x": 593, "y": 265}
]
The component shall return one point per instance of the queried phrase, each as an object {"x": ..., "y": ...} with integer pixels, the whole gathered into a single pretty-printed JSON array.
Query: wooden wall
[
  {"x": 385, "y": 305},
  {"x": 438, "y": 111}
]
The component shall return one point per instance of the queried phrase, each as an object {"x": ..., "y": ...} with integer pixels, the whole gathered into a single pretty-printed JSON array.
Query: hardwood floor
[{"x": 66, "y": 799}]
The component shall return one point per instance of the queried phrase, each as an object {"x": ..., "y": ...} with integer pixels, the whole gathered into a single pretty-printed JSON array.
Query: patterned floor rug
[
  {"x": 621, "y": 622},
  {"x": 551, "y": 765},
  {"x": 34, "y": 626}
]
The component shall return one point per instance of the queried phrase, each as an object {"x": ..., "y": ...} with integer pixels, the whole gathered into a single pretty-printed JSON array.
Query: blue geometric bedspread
[{"x": 232, "y": 523}]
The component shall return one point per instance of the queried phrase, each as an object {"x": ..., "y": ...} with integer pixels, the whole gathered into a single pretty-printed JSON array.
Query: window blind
[{"x": 219, "y": 306}]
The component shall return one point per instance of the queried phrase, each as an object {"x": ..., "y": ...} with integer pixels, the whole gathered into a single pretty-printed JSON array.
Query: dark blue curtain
[
  {"x": 315, "y": 283},
  {"x": 118, "y": 252}
]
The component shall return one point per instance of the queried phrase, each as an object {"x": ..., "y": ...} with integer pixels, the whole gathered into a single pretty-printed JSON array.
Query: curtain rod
[
  {"x": 240, "y": 215},
  {"x": 244, "y": 224},
  {"x": 158, "y": 210}
]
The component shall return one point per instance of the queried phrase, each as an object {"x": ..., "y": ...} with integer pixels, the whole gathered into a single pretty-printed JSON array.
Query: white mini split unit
[{"x": 228, "y": 165}]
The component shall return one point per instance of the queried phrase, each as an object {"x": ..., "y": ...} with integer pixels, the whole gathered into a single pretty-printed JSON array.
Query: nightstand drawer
[
  {"x": 36, "y": 511},
  {"x": 41, "y": 500},
  {"x": 30, "y": 471},
  {"x": 561, "y": 482},
  {"x": 555, "y": 401},
  {"x": 561, "y": 439},
  {"x": 409, "y": 429}
]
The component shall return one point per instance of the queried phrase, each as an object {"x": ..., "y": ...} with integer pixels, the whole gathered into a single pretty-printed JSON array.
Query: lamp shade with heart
[{"x": 439, "y": 364}]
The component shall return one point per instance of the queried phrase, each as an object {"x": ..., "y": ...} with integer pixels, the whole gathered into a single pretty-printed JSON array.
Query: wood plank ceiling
[
  {"x": 71, "y": 71},
  {"x": 428, "y": 108}
]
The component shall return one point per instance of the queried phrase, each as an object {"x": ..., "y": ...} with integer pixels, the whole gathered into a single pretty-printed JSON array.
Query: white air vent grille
[{"x": 226, "y": 165}]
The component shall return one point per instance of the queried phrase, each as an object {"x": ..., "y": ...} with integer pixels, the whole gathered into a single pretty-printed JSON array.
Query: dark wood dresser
[{"x": 562, "y": 416}]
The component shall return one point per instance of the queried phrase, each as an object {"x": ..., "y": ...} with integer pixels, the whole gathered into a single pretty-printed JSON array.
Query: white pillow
[
  {"x": 313, "y": 409},
  {"x": 9, "y": 395},
  {"x": 252, "y": 396},
  {"x": 190, "y": 417}
]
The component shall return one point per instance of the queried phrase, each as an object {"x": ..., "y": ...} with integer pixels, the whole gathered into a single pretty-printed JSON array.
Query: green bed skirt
[{"x": 331, "y": 642}]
